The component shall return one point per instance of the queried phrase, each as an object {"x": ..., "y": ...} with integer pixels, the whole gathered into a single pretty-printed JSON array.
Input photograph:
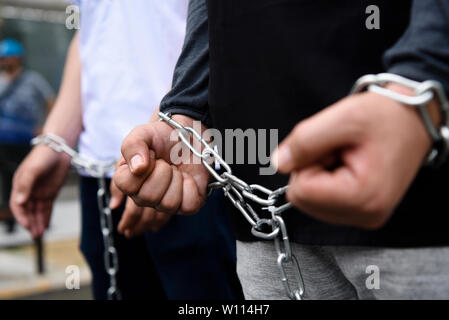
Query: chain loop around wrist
[{"x": 424, "y": 93}]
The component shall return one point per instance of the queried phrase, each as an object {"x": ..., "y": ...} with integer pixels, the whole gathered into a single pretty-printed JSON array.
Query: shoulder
[
  {"x": 37, "y": 81},
  {"x": 31, "y": 75},
  {"x": 34, "y": 78}
]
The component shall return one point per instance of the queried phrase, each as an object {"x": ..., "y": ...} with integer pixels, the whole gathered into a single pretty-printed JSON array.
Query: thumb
[
  {"x": 136, "y": 149},
  {"x": 314, "y": 139}
]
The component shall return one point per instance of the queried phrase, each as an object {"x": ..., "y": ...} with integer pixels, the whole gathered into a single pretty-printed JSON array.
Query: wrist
[
  {"x": 70, "y": 138},
  {"x": 428, "y": 98},
  {"x": 433, "y": 107}
]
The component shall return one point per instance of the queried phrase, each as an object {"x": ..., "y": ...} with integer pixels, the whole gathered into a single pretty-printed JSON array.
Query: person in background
[
  {"x": 118, "y": 68},
  {"x": 25, "y": 99}
]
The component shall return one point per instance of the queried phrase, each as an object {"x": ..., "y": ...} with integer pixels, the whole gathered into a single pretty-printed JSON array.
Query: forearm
[{"x": 65, "y": 118}]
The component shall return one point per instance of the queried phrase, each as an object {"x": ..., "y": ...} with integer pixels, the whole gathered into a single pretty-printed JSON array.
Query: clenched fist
[
  {"x": 353, "y": 162},
  {"x": 148, "y": 175}
]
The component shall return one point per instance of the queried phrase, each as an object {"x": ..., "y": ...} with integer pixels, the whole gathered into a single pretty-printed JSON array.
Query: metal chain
[
  {"x": 97, "y": 170},
  {"x": 424, "y": 92},
  {"x": 241, "y": 195}
]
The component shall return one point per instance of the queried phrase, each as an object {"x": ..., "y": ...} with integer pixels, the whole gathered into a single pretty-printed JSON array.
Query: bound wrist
[
  {"x": 427, "y": 98},
  {"x": 433, "y": 107}
]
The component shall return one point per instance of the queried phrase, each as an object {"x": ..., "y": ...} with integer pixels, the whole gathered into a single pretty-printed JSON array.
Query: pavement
[{"x": 18, "y": 268}]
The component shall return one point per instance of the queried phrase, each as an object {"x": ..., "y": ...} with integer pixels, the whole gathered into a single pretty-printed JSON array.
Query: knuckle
[
  {"x": 193, "y": 207},
  {"x": 149, "y": 199},
  {"x": 164, "y": 167},
  {"x": 140, "y": 202},
  {"x": 295, "y": 195},
  {"x": 125, "y": 185},
  {"x": 376, "y": 211},
  {"x": 169, "y": 204}
]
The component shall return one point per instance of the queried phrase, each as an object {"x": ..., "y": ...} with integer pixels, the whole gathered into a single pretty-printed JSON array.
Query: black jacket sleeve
[
  {"x": 423, "y": 51},
  {"x": 189, "y": 93}
]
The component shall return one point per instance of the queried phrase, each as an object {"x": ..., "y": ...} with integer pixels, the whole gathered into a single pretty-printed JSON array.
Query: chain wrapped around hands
[{"x": 241, "y": 195}]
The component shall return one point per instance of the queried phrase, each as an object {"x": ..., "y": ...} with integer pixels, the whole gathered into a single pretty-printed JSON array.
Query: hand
[
  {"x": 152, "y": 179},
  {"x": 35, "y": 186},
  {"x": 353, "y": 162},
  {"x": 136, "y": 220}
]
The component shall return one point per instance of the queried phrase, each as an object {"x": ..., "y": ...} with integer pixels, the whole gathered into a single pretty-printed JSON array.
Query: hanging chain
[
  {"x": 241, "y": 195},
  {"x": 97, "y": 170}
]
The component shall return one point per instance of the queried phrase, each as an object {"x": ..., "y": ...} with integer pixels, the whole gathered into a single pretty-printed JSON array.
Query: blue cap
[{"x": 11, "y": 48}]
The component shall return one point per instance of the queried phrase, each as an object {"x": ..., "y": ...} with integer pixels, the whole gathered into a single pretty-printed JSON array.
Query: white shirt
[{"x": 128, "y": 52}]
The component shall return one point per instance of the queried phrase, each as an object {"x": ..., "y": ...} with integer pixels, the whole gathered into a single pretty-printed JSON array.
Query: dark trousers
[{"x": 189, "y": 258}]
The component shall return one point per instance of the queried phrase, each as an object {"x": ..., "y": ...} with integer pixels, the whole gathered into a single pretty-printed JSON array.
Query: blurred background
[{"x": 28, "y": 269}]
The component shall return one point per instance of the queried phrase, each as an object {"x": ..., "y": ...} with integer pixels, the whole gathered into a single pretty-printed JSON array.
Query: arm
[
  {"x": 65, "y": 119},
  {"x": 40, "y": 176}
]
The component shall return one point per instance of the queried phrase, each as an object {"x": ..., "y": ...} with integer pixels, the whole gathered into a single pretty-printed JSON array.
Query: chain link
[
  {"x": 97, "y": 170},
  {"x": 241, "y": 195},
  {"x": 423, "y": 94}
]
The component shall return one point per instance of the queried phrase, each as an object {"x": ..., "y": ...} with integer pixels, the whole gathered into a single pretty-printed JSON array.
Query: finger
[
  {"x": 40, "y": 217},
  {"x": 160, "y": 220},
  {"x": 316, "y": 137},
  {"x": 23, "y": 183},
  {"x": 129, "y": 183},
  {"x": 131, "y": 216},
  {"x": 136, "y": 147},
  {"x": 145, "y": 224},
  {"x": 31, "y": 207},
  {"x": 20, "y": 213},
  {"x": 117, "y": 196},
  {"x": 191, "y": 198},
  {"x": 156, "y": 185},
  {"x": 326, "y": 194},
  {"x": 172, "y": 199}
]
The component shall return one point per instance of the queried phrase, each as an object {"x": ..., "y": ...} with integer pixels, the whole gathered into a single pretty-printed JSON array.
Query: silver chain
[
  {"x": 95, "y": 169},
  {"x": 241, "y": 195},
  {"x": 424, "y": 93}
]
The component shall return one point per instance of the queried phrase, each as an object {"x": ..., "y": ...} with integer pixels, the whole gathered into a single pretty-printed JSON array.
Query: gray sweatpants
[{"x": 337, "y": 272}]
